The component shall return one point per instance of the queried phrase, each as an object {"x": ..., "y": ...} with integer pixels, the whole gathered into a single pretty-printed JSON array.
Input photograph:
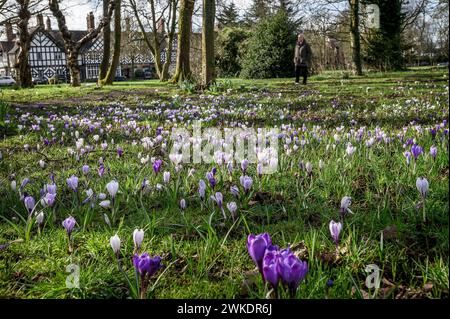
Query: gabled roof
[{"x": 6, "y": 46}]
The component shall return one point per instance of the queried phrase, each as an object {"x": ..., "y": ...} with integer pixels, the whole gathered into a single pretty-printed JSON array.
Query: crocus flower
[
  {"x": 112, "y": 188},
  {"x": 138, "y": 237},
  {"x": 115, "y": 244},
  {"x": 29, "y": 203},
  {"x": 407, "y": 155},
  {"x": 345, "y": 203},
  {"x": 270, "y": 267},
  {"x": 201, "y": 189},
  {"x": 232, "y": 207},
  {"x": 72, "y": 182},
  {"x": 335, "y": 229},
  {"x": 308, "y": 167},
  {"x": 13, "y": 185},
  {"x": 422, "y": 186},
  {"x": 433, "y": 151},
  {"x": 234, "y": 190},
  {"x": 166, "y": 177},
  {"x": 244, "y": 165},
  {"x": 292, "y": 270},
  {"x": 119, "y": 152},
  {"x": 256, "y": 246},
  {"x": 69, "y": 224},
  {"x": 49, "y": 199},
  {"x": 85, "y": 169},
  {"x": 416, "y": 150},
  {"x": 157, "y": 166},
  {"x": 246, "y": 182},
  {"x": 51, "y": 188},
  {"x": 105, "y": 203},
  {"x": 40, "y": 218},
  {"x": 24, "y": 183},
  {"x": 101, "y": 170},
  {"x": 183, "y": 204},
  {"x": 146, "y": 265}
]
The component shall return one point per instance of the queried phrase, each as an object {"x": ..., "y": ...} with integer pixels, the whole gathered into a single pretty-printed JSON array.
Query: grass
[{"x": 205, "y": 256}]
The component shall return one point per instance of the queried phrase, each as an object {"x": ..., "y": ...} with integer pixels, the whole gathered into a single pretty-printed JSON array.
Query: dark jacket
[{"x": 303, "y": 54}]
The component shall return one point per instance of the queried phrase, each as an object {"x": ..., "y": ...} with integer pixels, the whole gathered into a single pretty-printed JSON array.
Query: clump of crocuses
[
  {"x": 276, "y": 265},
  {"x": 147, "y": 267}
]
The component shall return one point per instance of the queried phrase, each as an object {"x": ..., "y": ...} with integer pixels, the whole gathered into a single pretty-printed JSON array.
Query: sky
[{"x": 78, "y": 9}]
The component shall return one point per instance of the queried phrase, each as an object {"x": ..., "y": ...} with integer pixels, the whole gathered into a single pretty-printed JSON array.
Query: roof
[{"x": 6, "y": 46}]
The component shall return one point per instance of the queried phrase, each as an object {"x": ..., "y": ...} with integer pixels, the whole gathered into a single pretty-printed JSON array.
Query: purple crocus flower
[
  {"x": 29, "y": 203},
  {"x": 256, "y": 246},
  {"x": 211, "y": 179},
  {"x": 201, "y": 189},
  {"x": 85, "y": 169},
  {"x": 69, "y": 224},
  {"x": 433, "y": 132},
  {"x": 24, "y": 183},
  {"x": 157, "y": 166},
  {"x": 433, "y": 151},
  {"x": 270, "y": 267},
  {"x": 416, "y": 150},
  {"x": 49, "y": 199},
  {"x": 72, "y": 182},
  {"x": 146, "y": 265},
  {"x": 291, "y": 269},
  {"x": 119, "y": 151},
  {"x": 51, "y": 188},
  {"x": 101, "y": 170},
  {"x": 335, "y": 229}
]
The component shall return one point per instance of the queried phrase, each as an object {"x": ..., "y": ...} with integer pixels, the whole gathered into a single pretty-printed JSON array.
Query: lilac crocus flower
[
  {"x": 244, "y": 165},
  {"x": 201, "y": 189},
  {"x": 433, "y": 151},
  {"x": 234, "y": 190},
  {"x": 246, "y": 182},
  {"x": 407, "y": 155},
  {"x": 29, "y": 203},
  {"x": 24, "y": 183},
  {"x": 416, "y": 150},
  {"x": 291, "y": 269},
  {"x": 256, "y": 246},
  {"x": 211, "y": 179},
  {"x": 85, "y": 169},
  {"x": 335, "y": 229},
  {"x": 51, "y": 188},
  {"x": 49, "y": 199},
  {"x": 101, "y": 170},
  {"x": 72, "y": 182},
  {"x": 69, "y": 224}
]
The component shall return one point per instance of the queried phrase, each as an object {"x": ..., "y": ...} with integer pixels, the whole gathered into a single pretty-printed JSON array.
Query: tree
[
  {"x": 230, "y": 50},
  {"x": 73, "y": 47},
  {"x": 208, "y": 62},
  {"x": 228, "y": 16},
  {"x": 270, "y": 50},
  {"x": 23, "y": 66},
  {"x": 158, "y": 23},
  {"x": 106, "y": 45},
  {"x": 259, "y": 10},
  {"x": 109, "y": 77},
  {"x": 355, "y": 37},
  {"x": 183, "y": 68}
]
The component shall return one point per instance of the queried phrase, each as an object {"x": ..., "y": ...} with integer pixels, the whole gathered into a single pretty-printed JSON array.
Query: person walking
[{"x": 302, "y": 58}]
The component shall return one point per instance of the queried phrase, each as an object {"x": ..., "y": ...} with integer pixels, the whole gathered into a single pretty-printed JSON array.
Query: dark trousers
[{"x": 301, "y": 70}]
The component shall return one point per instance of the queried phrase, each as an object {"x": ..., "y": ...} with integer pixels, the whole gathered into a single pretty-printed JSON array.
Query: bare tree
[
  {"x": 73, "y": 47},
  {"x": 106, "y": 45},
  {"x": 158, "y": 22},
  {"x": 109, "y": 77}
]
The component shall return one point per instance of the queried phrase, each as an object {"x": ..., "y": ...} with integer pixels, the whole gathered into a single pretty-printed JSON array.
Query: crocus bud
[
  {"x": 13, "y": 185},
  {"x": 72, "y": 182},
  {"x": 256, "y": 246},
  {"x": 112, "y": 188},
  {"x": 40, "y": 218},
  {"x": 183, "y": 204},
  {"x": 29, "y": 203},
  {"x": 41, "y": 163},
  {"x": 69, "y": 224},
  {"x": 85, "y": 169},
  {"x": 138, "y": 237},
  {"x": 115, "y": 244},
  {"x": 166, "y": 177},
  {"x": 335, "y": 229},
  {"x": 422, "y": 186},
  {"x": 105, "y": 203}
]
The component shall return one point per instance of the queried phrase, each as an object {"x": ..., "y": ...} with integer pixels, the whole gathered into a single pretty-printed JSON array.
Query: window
[
  {"x": 58, "y": 56},
  {"x": 39, "y": 56}
]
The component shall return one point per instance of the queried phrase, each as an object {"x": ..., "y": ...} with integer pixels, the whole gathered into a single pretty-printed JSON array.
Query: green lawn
[{"x": 381, "y": 114}]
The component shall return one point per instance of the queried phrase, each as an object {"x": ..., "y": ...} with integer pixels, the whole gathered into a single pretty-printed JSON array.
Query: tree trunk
[
  {"x": 169, "y": 47},
  {"x": 208, "y": 58},
  {"x": 23, "y": 66},
  {"x": 117, "y": 40},
  {"x": 72, "y": 63},
  {"x": 355, "y": 36},
  {"x": 183, "y": 68},
  {"x": 106, "y": 45}
]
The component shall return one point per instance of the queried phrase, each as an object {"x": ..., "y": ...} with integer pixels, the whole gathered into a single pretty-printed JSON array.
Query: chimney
[
  {"x": 49, "y": 24},
  {"x": 40, "y": 20},
  {"x": 160, "y": 25},
  {"x": 9, "y": 31},
  {"x": 90, "y": 21}
]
